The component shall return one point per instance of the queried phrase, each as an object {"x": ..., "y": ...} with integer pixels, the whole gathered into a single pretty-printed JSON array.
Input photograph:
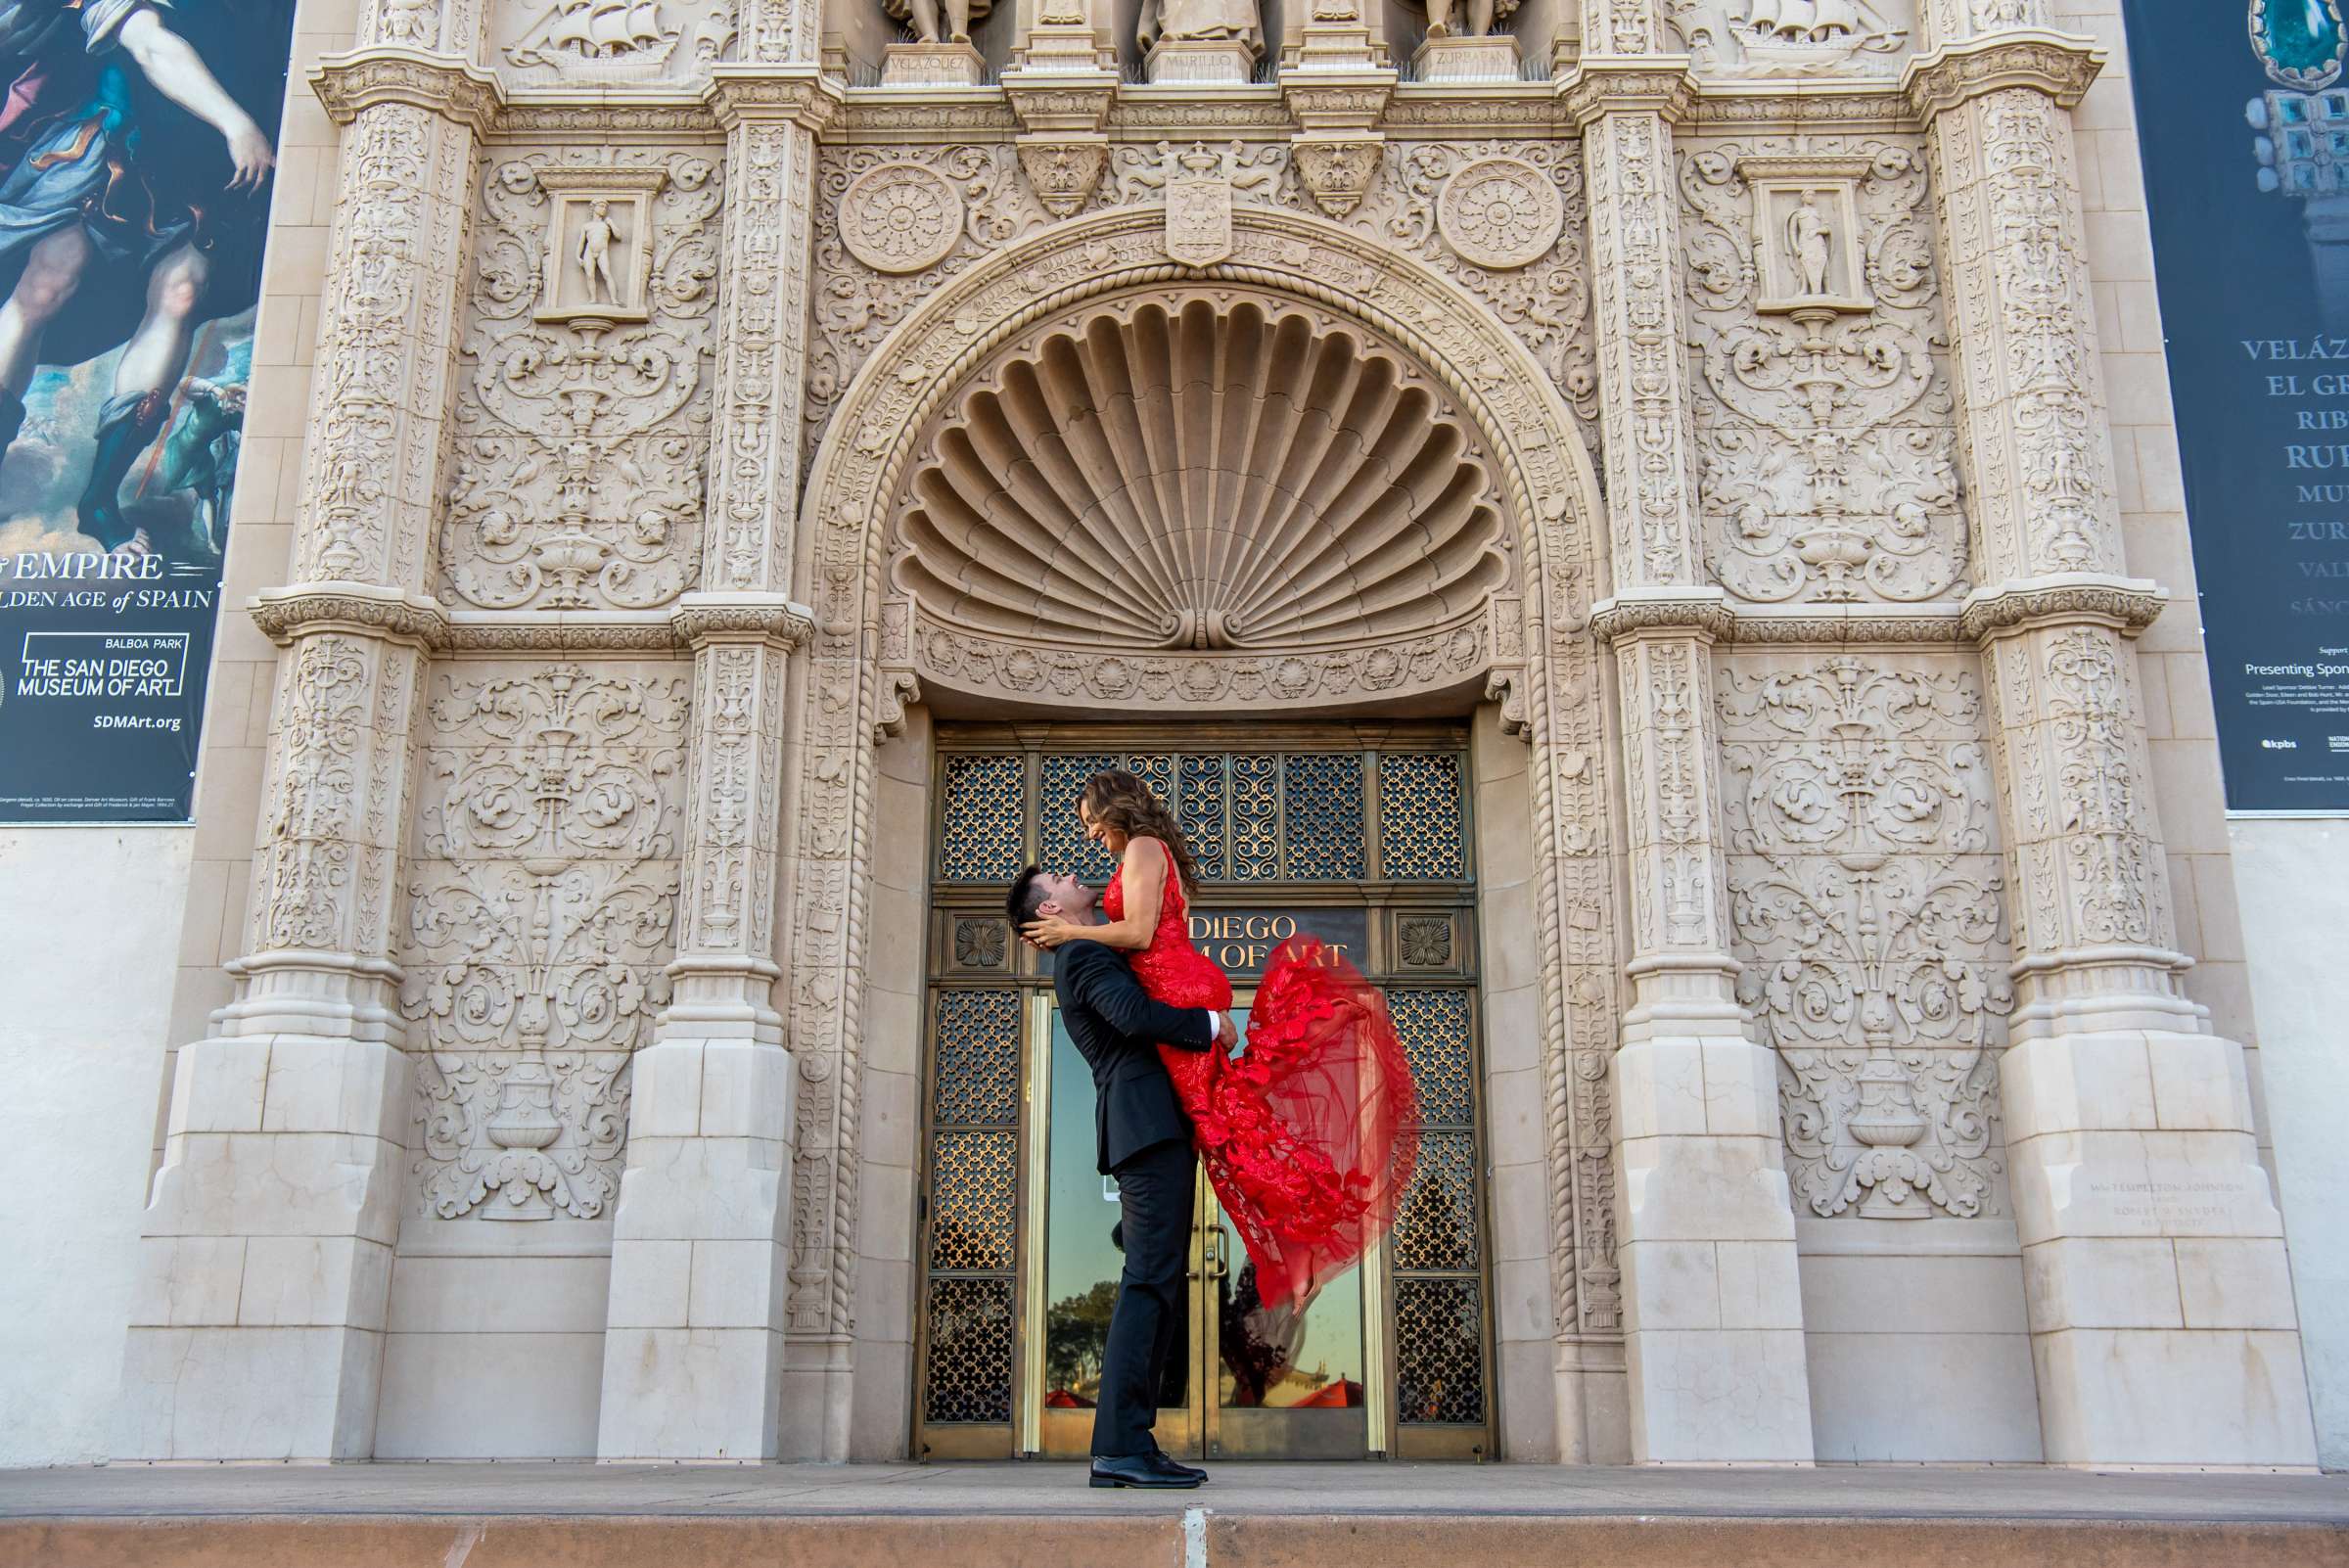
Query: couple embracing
[{"x": 1307, "y": 1136}]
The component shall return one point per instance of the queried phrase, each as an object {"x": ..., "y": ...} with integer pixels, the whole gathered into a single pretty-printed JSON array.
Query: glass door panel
[
  {"x": 1081, "y": 1263},
  {"x": 1241, "y": 1383}
]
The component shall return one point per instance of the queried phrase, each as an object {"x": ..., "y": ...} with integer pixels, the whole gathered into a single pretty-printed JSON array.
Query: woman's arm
[{"x": 1145, "y": 880}]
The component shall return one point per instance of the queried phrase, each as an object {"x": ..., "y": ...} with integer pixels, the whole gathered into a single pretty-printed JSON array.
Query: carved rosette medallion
[
  {"x": 1500, "y": 212},
  {"x": 901, "y": 217}
]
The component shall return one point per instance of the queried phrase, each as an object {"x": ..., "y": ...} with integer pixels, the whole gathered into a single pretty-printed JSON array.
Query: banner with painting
[
  {"x": 2243, "y": 122},
  {"x": 137, "y": 144}
]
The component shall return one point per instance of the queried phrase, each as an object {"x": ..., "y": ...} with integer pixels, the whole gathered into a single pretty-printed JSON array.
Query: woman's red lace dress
[{"x": 1310, "y": 1135}]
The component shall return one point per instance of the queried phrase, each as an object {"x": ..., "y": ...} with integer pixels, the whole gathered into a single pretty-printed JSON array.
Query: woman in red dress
[{"x": 1308, "y": 1136}]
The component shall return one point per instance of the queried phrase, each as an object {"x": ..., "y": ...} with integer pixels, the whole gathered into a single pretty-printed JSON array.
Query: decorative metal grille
[
  {"x": 970, "y": 1350},
  {"x": 1439, "y": 1350},
  {"x": 1439, "y": 1240},
  {"x": 973, "y": 1200},
  {"x": 1199, "y": 808},
  {"x": 1061, "y": 842},
  {"x": 1256, "y": 819},
  {"x": 977, "y": 1072},
  {"x": 1433, "y": 1026},
  {"x": 1436, "y": 1229},
  {"x": 1420, "y": 824},
  {"x": 984, "y": 810},
  {"x": 1323, "y": 806}
]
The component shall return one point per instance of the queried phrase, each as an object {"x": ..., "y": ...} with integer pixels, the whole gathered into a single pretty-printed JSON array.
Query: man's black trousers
[{"x": 1155, "y": 1187}]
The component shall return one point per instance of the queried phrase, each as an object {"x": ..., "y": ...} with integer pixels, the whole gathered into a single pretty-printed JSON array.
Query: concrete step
[
  {"x": 1042, "y": 1515},
  {"x": 1194, "y": 1539}
]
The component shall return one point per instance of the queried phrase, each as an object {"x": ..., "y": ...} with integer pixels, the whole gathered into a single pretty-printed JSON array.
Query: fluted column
[
  {"x": 266, "y": 1255},
  {"x": 2162, "y": 1322},
  {"x": 1712, "y": 1302},
  {"x": 694, "y": 1347}
]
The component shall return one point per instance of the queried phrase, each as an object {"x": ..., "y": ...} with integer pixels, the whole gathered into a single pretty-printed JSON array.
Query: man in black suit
[{"x": 1144, "y": 1139}]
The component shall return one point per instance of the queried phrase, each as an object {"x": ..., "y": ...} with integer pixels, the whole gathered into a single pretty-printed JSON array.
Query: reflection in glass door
[{"x": 1242, "y": 1382}]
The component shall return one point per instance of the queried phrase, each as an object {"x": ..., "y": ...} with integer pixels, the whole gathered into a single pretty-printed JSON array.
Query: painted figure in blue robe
[{"x": 129, "y": 213}]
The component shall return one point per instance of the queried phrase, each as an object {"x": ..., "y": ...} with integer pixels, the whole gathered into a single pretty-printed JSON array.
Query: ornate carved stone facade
[
  {"x": 693, "y": 424},
  {"x": 542, "y": 911},
  {"x": 1866, "y": 898}
]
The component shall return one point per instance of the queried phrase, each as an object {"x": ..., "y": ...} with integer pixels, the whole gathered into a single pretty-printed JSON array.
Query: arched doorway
[{"x": 1311, "y": 489}]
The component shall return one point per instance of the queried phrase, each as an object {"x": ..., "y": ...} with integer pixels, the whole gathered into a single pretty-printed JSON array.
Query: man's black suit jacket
[{"x": 1117, "y": 1029}]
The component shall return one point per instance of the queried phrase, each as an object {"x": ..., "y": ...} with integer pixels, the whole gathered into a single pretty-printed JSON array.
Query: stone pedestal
[
  {"x": 931, "y": 64},
  {"x": 1456, "y": 59},
  {"x": 266, "y": 1261},
  {"x": 2162, "y": 1314},
  {"x": 693, "y": 1338},
  {"x": 1712, "y": 1300},
  {"x": 1712, "y": 1295},
  {"x": 1225, "y": 61}
]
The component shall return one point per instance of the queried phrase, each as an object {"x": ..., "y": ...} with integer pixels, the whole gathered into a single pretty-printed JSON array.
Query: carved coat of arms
[{"x": 1199, "y": 211}]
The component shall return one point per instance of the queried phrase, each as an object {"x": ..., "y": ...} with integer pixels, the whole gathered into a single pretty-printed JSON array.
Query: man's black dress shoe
[
  {"x": 1169, "y": 1465},
  {"x": 1139, "y": 1470}
]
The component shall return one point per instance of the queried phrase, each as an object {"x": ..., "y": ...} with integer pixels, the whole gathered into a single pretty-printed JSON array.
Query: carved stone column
[
  {"x": 2161, "y": 1316},
  {"x": 256, "y": 1331},
  {"x": 694, "y": 1337},
  {"x": 1711, "y": 1302}
]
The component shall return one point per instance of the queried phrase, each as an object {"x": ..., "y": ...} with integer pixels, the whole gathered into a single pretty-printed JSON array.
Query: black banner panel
[
  {"x": 2243, "y": 122},
  {"x": 140, "y": 144}
]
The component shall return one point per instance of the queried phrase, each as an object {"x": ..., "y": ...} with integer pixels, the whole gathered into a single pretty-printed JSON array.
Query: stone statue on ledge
[
  {"x": 1483, "y": 16},
  {"x": 941, "y": 54},
  {"x": 1467, "y": 43},
  {"x": 1200, "y": 40},
  {"x": 930, "y": 27}
]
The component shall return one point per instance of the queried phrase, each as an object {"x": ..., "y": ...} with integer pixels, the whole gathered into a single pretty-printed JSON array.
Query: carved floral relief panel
[
  {"x": 1508, "y": 223},
  {"x": 541, "y": 897},
  {"x": 1868, "y": 905},
  {"x": 582, "y": 424},
  {"x": 1826, "y": 424},
  {"x": 891, "y": 224}
]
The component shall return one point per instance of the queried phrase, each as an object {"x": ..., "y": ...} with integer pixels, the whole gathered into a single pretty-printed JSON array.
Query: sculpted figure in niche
[
  {"x": 595, "y": 255},
  {"x": 932, "y": 25},
  {"x": 1807, "y": 234},
  {"x": 1233, "y": 20},
  {"x": 1444, "y": 19}
]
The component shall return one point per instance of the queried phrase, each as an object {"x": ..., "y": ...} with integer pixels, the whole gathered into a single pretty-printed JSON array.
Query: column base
[
  {"x": 693, "y": 1337},
  {"x": 2163, "y": 1328},
  {"x": 1594, "y": 1410},
  {"x": 266, "y": 1258},
  {"x": 818, "y": 1400},
  {"x": 1712, "y": 1298}
]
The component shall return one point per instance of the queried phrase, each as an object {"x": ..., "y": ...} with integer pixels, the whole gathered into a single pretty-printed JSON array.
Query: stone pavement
[{"x": 1264, "y": 1516}]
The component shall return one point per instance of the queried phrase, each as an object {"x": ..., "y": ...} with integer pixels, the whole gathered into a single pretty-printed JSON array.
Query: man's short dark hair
[{"x": 1027, "y": 892}]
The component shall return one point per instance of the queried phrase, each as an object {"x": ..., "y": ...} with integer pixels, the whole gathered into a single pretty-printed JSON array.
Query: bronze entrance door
[{"x": 1361, "y": 837}]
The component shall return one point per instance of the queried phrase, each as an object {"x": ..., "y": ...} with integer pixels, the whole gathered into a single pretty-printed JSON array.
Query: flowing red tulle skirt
[{"x": 1311, "y": 1134}]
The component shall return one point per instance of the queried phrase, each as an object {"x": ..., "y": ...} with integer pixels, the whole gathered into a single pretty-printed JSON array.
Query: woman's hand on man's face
[{"x": 1048, "y": 932}]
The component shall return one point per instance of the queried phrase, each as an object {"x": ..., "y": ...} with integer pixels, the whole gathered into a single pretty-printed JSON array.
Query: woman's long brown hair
[{"x": 1120, "y": 800}]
